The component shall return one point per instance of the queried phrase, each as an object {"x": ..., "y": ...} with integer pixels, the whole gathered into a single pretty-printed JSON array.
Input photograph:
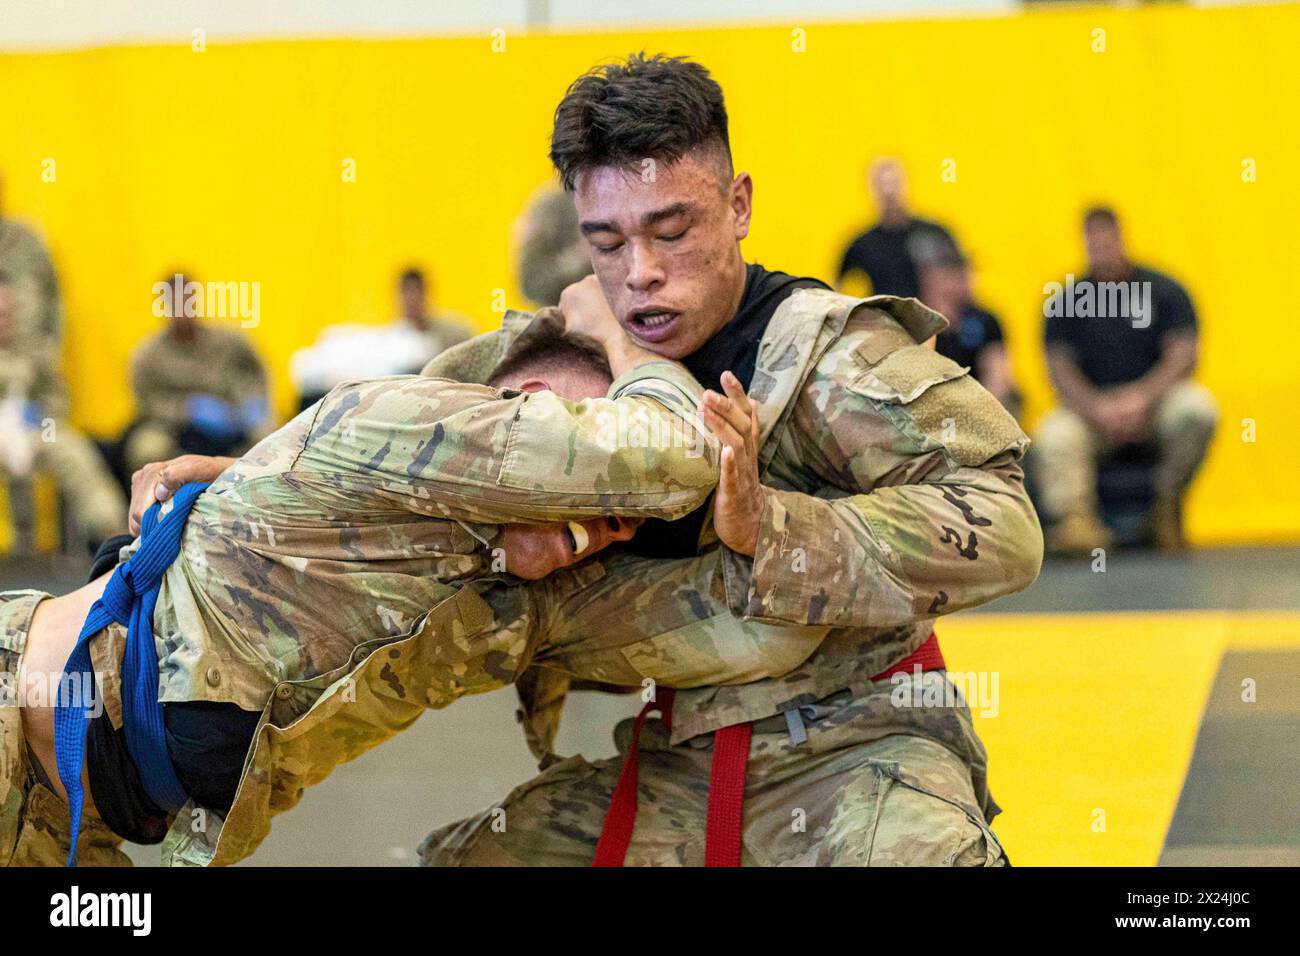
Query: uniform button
[
  {"x": 213, "y": 676},
  {"x": 284, "y": 692},
  {"x": 358, "y": 654}
]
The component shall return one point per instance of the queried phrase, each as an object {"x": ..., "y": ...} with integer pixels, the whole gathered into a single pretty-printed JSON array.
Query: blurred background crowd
[{"x": 1113, "y": 458}]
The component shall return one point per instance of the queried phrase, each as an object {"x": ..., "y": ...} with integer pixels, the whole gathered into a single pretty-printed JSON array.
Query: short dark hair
[
  {"x": 648, "y": 107},
  {"x": 1100, "y": 216},
  {"x": 545, "y": 347},
  {"x": 410, "y": 275}
]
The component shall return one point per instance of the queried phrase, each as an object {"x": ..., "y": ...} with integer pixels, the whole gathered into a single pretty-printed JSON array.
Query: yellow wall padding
[{"x": 230, "y": 162}]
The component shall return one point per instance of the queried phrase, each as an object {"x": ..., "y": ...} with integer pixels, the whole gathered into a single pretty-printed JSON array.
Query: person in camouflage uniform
[
  {"x": 884, "y": 490},
  {"x": 34, "y": 431},
  {"x": 401, "y": 505},
  {"x": 38, "y": 308},
  {"x": 550, "y": 250},
  {"x": 198, "y": 387}
]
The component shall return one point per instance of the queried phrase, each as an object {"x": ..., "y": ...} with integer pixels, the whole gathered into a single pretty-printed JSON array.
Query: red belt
[{"x": 722, "y": 839}]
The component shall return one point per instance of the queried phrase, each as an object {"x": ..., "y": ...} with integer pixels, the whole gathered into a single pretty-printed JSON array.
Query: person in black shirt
[
  {"x": 974, "y": 335},
  {"x": 1121, "y": 349},
  {"x": 887, "y": 253}
]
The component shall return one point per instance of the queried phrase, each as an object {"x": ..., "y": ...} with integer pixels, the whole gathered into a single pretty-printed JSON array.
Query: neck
[
  {"x": 737, "y": 282},
  {"x": 1116, "y": 273},
  {"x": 894, "y": 216}
]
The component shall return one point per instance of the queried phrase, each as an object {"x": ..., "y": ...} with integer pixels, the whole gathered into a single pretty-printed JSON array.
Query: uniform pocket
[
  {"x": 904, "y": 374},
  {"x": 915, "y": 822}
]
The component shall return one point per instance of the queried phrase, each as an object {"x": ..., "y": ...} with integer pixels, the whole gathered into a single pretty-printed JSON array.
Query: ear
[
  {"x": 742, "y": 203},
  {"x": 534, "y": 385}
]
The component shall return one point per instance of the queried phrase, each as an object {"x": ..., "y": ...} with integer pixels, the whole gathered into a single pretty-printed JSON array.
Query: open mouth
[{"x": 653, "y": 325}]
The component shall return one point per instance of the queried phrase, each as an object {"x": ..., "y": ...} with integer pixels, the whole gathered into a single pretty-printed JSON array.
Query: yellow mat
[{"x": 1095, "y": 720}]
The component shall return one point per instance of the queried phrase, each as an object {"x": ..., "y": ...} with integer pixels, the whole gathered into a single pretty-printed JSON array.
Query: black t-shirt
[
  {"x": 971, "y": 333},
  {"x": 733, "y": 347},
  {"x": 888, "y": 255},
  {"x": 1115, "y": 333}
]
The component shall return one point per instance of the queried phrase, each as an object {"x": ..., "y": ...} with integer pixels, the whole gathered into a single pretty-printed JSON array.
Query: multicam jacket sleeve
[
  {"x": 474, "y": 453},
  {"x": 922, "y": 508}
]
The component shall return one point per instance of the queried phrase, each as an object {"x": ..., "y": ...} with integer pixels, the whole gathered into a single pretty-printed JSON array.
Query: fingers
[
  {"x": 722, "y": 429},
  {"x": 156, "y": 482},
  {"x": 734, "y": 408}
]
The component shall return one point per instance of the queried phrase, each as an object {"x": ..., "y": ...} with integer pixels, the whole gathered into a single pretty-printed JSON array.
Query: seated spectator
[
  {"x": 350, "y": 351},
  {"x": 37, "y": 316},
  {"x": 34, "y": 431},
  {"x": 885, "y": 255},
  {"x": 199, "y": 388},
  {"x": 1121, "y": 349},
  {"x": 974, "y": 335}
]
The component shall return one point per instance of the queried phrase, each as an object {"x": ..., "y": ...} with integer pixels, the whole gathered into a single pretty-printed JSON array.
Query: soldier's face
[
  {"x": 533, "y": 551},
  {"x": 665, "y": 246}
]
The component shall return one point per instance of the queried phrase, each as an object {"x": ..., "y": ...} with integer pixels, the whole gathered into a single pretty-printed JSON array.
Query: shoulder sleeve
[{"x": 919, "y": 506}]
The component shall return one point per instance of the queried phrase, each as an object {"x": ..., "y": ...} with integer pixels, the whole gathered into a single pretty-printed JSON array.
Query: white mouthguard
[{"x": 580, "y": 539}]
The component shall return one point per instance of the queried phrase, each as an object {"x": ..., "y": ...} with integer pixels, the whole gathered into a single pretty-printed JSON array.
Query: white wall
[
  {"x": 59, "y": 24},
  {"x": 54, "y": 24}
]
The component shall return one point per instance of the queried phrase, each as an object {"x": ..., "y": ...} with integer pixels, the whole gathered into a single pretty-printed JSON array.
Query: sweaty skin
[{"x": 666, "y": 252}]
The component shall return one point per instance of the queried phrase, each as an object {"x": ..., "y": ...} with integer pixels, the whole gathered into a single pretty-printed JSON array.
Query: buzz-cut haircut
[
  {"x": 545, "y": 348},
  {"x": 648, "y": 107}
]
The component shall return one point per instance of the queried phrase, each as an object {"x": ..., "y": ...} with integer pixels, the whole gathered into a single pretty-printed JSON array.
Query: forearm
[
  {"x": 1073, "y": 390},
  {"x": 626, "y": 619},
  {"x": 890, "y": 557},
  {"x": 471, "y": 453},
  {"x": 639, "y": 451},
  {"x": 624, "y": 355},
  {"x": 1176, "y": 363}
]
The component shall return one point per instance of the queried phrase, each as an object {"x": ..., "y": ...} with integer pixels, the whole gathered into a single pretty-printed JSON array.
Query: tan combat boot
[{"x": 1077, "y": 534}]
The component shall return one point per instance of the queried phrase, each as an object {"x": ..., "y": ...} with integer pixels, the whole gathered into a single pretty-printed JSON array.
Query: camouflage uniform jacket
[
  {"x": 898, "y": 497},
  {"x": 25, "y": 260},
  {"x": 335, "y": 566}
]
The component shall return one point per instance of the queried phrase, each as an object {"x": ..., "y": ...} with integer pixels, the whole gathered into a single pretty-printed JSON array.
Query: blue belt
[{"x": 129, "y": 598}]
